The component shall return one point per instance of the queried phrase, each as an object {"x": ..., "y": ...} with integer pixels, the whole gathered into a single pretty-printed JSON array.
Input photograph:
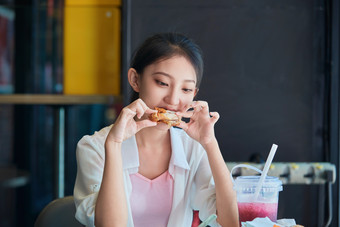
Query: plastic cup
[{"x": 266, "y": 203}]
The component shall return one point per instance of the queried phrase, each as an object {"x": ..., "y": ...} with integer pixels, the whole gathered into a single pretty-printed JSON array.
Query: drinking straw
[
  {"x": 265, "y": 171},
  {"x": 207, "y": 221}
]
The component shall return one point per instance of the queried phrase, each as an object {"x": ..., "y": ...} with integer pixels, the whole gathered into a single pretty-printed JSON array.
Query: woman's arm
[
  {"x": 111, "y": 206},
  {"x": 226, "y": 204},
  {"x": 201, "y": 128}
]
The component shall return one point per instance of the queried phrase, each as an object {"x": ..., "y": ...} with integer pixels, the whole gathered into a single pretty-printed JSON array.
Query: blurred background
[{"x": 271, "y": 71}]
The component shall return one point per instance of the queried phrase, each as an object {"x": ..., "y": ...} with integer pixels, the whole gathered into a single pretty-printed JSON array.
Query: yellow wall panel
[{"x": 92, "y": 50}]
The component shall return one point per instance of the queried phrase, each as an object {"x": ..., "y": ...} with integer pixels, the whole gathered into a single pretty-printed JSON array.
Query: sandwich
[{"x": 166, "y": 116}]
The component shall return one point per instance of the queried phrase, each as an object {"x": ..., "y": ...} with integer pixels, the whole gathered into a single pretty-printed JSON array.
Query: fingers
[
  {"x": 150, "y": 111},
  {"x": 127, "y": 113},
  {"x": 140, "y": 108},
  {"x": 183, "y": 125},
  {"x": 145, "y": 123},
  {"x": 195, "y": 107},
  {"x": 200, "y": 106},
  {"x": 214, "y": 116},
  {"x": 187, "y": 114}
]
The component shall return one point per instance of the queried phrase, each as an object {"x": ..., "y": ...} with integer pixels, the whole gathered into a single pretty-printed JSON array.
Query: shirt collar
[
  {"x": 130, "y": 154},
  {"x": 178, "y": 157}
]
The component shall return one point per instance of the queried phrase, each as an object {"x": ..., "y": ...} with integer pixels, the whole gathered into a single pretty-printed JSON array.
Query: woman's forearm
[
  {"x": 226, "y": 203},
  {"x": 111, "y": 207}
]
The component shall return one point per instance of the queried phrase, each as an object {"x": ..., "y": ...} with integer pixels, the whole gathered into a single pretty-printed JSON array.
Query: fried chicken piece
[{"x": 166, "y": 116}]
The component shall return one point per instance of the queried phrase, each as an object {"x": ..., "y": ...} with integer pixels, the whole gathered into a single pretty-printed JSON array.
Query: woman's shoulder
[
  {"x": 98, "y": 134},
  {"x": 96, "y": 139}
]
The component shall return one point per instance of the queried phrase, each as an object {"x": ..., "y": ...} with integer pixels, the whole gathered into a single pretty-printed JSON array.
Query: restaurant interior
[{"x": 271, "y": 70}]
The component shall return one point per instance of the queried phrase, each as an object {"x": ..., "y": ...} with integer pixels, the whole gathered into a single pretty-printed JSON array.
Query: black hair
[{"x": 163, "y": 46}]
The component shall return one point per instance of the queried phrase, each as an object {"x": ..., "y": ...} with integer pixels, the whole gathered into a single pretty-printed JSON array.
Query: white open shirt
[{"x": 193, "y": 182}]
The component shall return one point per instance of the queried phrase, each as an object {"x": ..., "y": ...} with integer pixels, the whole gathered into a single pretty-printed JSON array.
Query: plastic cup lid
[{"x": 249, "y": 183}]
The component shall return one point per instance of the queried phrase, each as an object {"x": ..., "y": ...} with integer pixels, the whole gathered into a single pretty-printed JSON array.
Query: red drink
[
  {"x": 250, "y": 211},
  {"x": 254, "y": 202}
]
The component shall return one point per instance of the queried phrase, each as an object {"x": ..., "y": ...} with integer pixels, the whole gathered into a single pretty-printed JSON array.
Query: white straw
[{"x": 265, "y": 171}]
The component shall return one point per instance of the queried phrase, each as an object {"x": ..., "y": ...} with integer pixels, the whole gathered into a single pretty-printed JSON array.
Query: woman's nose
[{"x": 172, "y": 98}]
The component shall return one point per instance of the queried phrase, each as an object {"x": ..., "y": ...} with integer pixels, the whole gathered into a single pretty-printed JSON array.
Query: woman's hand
[
  {"x": 129, "y": 121},
  {"x": 201, "y": 124}
]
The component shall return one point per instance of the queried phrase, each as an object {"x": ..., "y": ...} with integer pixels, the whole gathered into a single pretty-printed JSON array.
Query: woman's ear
[{"x": 133, "y": 78}]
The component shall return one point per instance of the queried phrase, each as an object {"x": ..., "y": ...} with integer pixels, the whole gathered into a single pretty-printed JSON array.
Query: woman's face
[{"x": 170, "y": 84}]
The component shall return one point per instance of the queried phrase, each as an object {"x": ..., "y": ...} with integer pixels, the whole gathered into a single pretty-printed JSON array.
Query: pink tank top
[{"x": 151, "y": 200}]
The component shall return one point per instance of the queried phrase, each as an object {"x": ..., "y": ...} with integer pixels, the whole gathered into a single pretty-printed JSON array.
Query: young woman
[{"x": 140, "y": 173}]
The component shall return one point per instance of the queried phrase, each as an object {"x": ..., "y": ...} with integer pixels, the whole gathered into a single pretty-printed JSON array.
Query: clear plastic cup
[{"x": 265, "y": 205}]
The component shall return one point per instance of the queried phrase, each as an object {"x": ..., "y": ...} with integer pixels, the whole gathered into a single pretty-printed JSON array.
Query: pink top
[{"x": 151, "y": 200}]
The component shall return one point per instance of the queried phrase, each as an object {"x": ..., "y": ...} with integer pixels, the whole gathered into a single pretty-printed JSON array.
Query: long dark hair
[{"x": 164, "y": 46}]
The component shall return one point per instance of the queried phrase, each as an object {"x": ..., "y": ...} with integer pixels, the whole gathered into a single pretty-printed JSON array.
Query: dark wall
[
  {"x": 263, "y": 70},
  {"x": 264, "y": 74}
]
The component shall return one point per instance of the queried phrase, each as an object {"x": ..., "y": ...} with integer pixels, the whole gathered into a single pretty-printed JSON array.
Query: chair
[{"x": 59, "y": 212}]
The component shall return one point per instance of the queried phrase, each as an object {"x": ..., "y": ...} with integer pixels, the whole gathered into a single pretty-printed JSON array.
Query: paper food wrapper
[{"x": 266, "y": 222}]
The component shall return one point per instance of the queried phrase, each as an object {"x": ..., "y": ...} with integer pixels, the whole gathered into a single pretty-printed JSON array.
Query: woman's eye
[
  {"x": 187, "y": 90},
  {"x": 161, "y": 83}
]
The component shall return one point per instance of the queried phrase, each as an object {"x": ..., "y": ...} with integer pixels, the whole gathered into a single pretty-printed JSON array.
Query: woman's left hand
[{"x": 201, "y": 124}]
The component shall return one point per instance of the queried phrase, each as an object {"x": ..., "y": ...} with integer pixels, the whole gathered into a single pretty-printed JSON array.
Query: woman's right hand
[{"x": 126, "y": 125}]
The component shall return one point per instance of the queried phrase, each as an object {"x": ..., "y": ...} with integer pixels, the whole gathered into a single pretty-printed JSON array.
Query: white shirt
[{"x": 193, "y": 187}]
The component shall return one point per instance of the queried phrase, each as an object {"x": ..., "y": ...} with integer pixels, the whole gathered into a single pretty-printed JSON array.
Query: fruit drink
[{"x": 250, "y": 211}]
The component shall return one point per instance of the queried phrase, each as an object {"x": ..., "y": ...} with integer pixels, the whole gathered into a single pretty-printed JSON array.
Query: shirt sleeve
[
  {"x": 205, "y": 197},
  {"x": 90, "y": 166}
]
